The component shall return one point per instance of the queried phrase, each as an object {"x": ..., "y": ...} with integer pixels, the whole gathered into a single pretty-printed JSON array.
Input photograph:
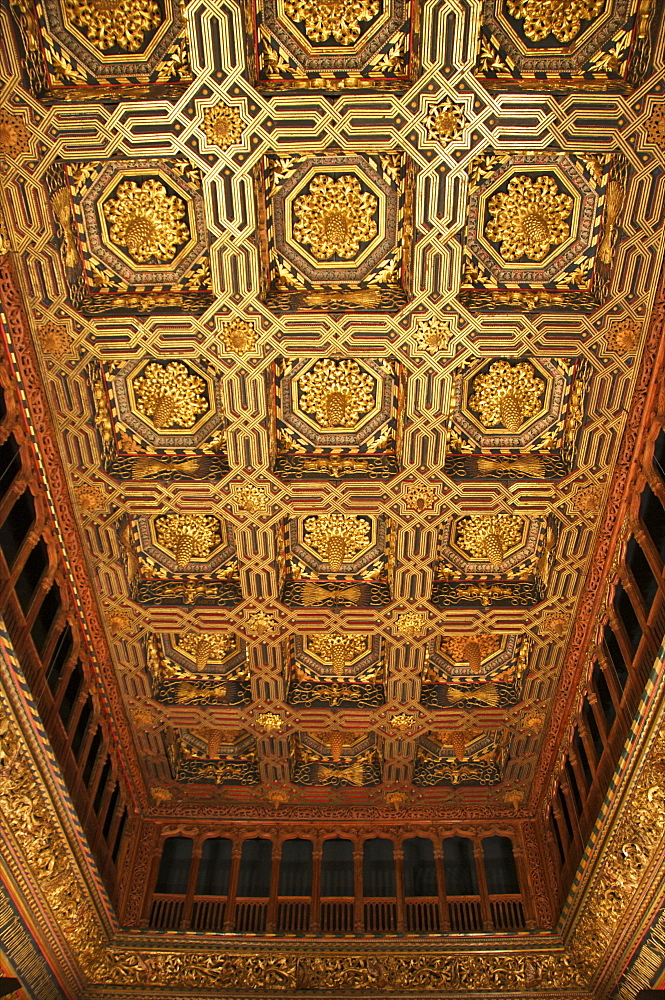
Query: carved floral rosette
[
  {"x": 348, "y": 255},
  {"x": 79, "y": 50},
  {"x": 541, "y": 230},
  {"x": 579, "y": 45},
  {"x": 132, "y": 235}
]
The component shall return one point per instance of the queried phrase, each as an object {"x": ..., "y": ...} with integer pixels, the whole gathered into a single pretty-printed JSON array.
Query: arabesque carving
[
  {"x": 146, "y": 220},
  {"x": 338, "y": 19},
  {"x": 205, "y": 646},
  {"x": 109, "y": 23},
  {"x": 507, "y": 395},
  {"x": 188, "y": 536},
  {"x": 337, "y": 649},
  {"x": 471, "y": 649},
  {"x": 489, "y": 536},
  {"x": 337, "y": 537},
  {"x": 170, "y": 395},
  {"x": 337, "y": 392},
  {"x": 529, "y": 218},
  {"x": 335, "y": 216},
  {"x": 561, "y": 18}
]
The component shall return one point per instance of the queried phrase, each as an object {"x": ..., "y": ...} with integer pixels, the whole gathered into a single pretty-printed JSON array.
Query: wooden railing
[
  {"x": 466, "y": 915},
  {"x": 422, "y": 915},
  {"x": 208, "y": 913},
  {"x": 293, "y": 915},
  {"x": 251, "y": 916},
  {"x": 166, "y": 912},
  {"x": 380, "y": 916},
  {"x": 337, "y": 915},
  {"x": 507, "y": 913}
]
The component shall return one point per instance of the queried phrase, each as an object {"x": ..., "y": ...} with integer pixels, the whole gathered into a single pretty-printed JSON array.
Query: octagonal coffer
[
  {"x": 89, "y": 51},
  {"x": 195, "y": 667},
  {"x": 336, "y": 418},
  {"x": 541, "y": 227},
  {"x": 336, "y": 670},
  {"x": 181, "y": 558},
  {"x": 577, "y": 45},
  {"x": 333, "y": 46},
  {"x": 475, "y": 670},
  {"x": 337, "y": 560},
  {"x": 160, "y": 418},
  {"x": 132, "y": 235},
  {"x": 501, "y": 559},
  {"x": 335, "y": 231},
  {"x": 516, "y": 418}
]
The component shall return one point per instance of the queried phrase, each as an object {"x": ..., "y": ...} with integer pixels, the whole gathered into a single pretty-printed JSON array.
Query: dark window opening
[
  {"x": 419, "y": 867},
  {"x": 214, "y": 867},
  {"x": 557, "y": 836},
  {"x": 101, "y": 785},
  {"x": 295, "y": 869},
  {"x": 71, "y": 693},
  {"x": 174, "y": 866},
  {"x": 459, "y": 867},
  {"x": 378, "y": 868},
  {"x": 653, "y": 519},
  {"x": 118, "y": 836},
  {"x": 580, "y": 752},
  {"x": 81, "y": 727},
  {"x": 93, "y": 751},
  {"x": 604, "y": 697},
  {"x": 616, "y": 656},
  {"x": 255, "y": 868},
  {"x": 563, "y": 805},
  {"x": 592, "y": 728},
  {"x": 45, "y": 617},
  {"x": 337, "y": 868},
  {"x": 572, "y": 782},
  {"x": 28, "y": 579},
  {"x": 10, "y": 463},
  {"x": 63, "y": 648},
  {"x": 500, "y": 869},
  {"x": 638, "y": 564},
  {"x": 14, "y": 530},
  {"x": 110, "y": 812},
  {"x": 626, "y": 612}
]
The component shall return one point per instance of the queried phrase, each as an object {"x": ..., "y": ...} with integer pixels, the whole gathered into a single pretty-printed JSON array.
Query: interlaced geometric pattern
[{"x": 428, "y": 345}]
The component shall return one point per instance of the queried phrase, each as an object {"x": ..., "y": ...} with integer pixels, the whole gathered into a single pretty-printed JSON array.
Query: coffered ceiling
[{"x": 338, "y": 309}]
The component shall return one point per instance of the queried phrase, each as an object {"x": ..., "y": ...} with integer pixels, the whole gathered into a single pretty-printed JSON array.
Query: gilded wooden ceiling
[{"x": 338, "y": 308}]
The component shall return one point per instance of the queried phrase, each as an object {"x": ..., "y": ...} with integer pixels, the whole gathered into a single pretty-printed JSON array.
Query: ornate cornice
[
  {"x": 642, "y": 408},
  {"x": 43, "y": 432}
]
